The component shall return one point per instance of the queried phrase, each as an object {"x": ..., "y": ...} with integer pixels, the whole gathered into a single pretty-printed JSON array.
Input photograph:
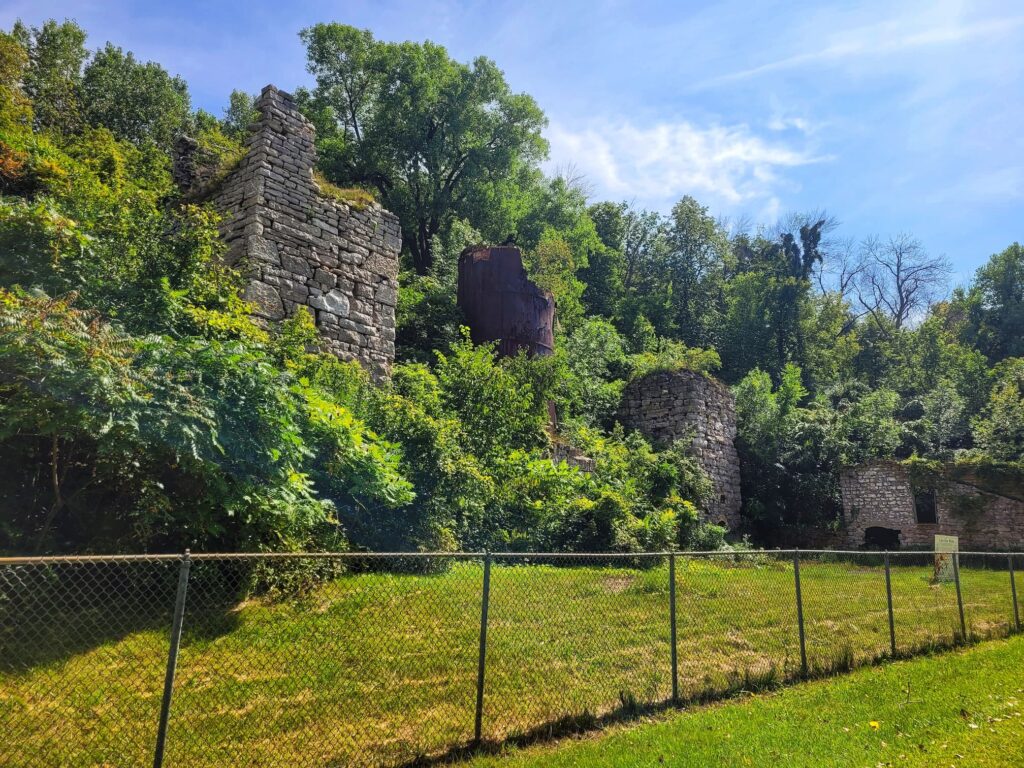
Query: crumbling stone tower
[
  {"x": 301, "y": 247},
  {"x": 668, "y": 406}
]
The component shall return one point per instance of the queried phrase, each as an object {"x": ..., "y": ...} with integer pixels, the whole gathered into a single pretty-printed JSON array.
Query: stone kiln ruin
[
  {"x": 668, "y": 406},
  {"x": 303, "y": 248},
  {"x": 882, "y": 508}
]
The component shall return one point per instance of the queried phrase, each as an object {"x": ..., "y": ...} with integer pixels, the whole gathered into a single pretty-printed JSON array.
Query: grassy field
[
  {"x": 963, "y": 709},
  {"x": 381, "y": 668}
]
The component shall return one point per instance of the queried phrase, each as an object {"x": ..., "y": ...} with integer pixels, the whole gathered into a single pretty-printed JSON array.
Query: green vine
[
  {"x": 924, "y": 474},
  {"x": 1001, "y": 478}
]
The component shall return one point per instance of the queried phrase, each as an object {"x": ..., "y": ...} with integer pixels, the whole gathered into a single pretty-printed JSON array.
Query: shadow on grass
[
  {"x": 53, "y": 612},
  {"x": 740, "y": 683}
]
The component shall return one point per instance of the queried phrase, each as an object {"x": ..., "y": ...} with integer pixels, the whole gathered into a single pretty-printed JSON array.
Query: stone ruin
[
  {"x": 501, "y": 304},
  {"x": 299, "y": 246},
  {"x": 685, "y": 405},
  {"x": 882, "y": 509}
]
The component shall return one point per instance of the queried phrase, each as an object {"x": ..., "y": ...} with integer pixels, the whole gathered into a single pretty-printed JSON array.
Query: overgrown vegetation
[{"x": 142, "y": 409}]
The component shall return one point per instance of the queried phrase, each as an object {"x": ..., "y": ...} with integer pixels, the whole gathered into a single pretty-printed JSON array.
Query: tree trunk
[
  {"x": 421, "y": 250},
  {"x": 58, "y": 500}
]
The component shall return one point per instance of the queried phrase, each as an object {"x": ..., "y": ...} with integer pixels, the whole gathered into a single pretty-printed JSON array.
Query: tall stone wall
[
  {"x": 303, "y": 248},
  {"x": 666, "y": 407},
  {"x": 879, "y": 494}
]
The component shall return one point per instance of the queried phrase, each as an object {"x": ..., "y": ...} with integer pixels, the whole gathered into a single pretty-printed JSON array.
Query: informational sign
[{"x": 946, "y": 548}]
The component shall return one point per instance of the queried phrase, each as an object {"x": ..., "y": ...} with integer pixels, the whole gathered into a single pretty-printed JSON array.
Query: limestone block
[
  {"x": 334, "y": 302},
  {"x": 267, "y": 300}
]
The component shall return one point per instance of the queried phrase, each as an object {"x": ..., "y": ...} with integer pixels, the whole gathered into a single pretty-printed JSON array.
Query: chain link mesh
[
  {"x": 574, "y": 637},
  {"x": 737, "y": 622},
  {"x": 357, "y": 659},
  {"x": 83, "y": 650}
]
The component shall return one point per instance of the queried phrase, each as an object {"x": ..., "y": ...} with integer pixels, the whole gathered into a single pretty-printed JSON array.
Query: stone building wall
[
  {"x": 667, "y": 406},
  {"x": 880, "y": 494},
  {"x": 302, "y": 248}
]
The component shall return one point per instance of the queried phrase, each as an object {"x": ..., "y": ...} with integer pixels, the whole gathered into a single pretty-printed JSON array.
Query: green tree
[
  {"x": 643, "y": 248},
  {"x": 788, "y": 454},
  {"x": 429, "y": 133},
  {"x": 552, "y": 267},
  {"x": 698, "y": 257},
  {"x": 139, "y": 102},
  {"x": 944, "y": 418},
  {"x": 993, "y": 308},
  {"x": 767, "y": 301},
  {"x": 999, "y": 429},
  {"x": 603, "y": 275},
  {"x": 239, "y": 115},
  {"x": 15, "y": 108},
  {"x": 56, "y": 53}
]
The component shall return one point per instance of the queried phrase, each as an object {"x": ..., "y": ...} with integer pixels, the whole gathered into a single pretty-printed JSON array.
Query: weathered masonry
[
  {"x": 669, "y": 406},
  {"x": 302, "y": 248},
  {"x": 883, "y": 508}
]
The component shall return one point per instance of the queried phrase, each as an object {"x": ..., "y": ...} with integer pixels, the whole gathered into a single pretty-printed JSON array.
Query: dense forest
[{"x": 142, "y": 409}]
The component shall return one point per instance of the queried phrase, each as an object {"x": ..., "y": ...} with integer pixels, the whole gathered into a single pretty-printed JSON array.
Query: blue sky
[{"x": 892, "y": 116}]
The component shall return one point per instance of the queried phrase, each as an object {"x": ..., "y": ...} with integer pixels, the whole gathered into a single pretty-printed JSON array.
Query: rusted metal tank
[{"x": 502, "y": 304}]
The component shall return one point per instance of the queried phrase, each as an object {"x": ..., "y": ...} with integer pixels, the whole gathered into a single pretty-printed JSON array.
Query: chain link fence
[{"x": 386, "y": 659}]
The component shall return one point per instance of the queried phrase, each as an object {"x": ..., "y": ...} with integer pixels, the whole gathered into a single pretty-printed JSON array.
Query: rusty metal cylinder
[{"x": 502, "y": 304}]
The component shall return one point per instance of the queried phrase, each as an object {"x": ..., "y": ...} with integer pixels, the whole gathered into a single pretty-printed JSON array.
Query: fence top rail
[{"x": 208, "y": 556}]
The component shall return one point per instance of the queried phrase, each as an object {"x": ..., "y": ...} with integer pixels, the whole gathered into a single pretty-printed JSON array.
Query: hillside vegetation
[{"x": 141, "y": 409}]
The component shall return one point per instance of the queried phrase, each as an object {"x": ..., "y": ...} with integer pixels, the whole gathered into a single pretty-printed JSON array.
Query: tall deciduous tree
[
  {"x": 900, "y": 278},
  {"x": 995, "y": 305},
  {"x": 699, "y": 252},
  {"x": 15, "y": 108},
  {"x": 429, "y": 133},
  {"x": 56, "y": 53},
  {"x": 239, "y": 115},
  {"x": 138, "y": 101}
]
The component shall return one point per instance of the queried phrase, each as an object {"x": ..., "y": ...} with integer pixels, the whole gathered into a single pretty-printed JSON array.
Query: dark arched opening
[{"x": 877, "y": 537}]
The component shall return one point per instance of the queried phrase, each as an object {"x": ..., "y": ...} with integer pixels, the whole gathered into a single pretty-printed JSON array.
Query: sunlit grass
[
  {"x": 377, "y": 667},
  {"x": 962, "y": 709}
]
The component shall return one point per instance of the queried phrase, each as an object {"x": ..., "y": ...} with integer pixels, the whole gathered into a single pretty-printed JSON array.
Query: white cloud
[
  {"x": 889, "y": 37},
  {"x": 780, "y": 122},
  {"x": 728, "y": 166}
]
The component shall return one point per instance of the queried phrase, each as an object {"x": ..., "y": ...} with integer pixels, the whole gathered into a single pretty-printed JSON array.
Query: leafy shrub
[{"x": 164, "y": 444}]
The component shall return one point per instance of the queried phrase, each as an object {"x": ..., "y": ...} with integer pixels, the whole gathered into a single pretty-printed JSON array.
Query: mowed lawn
[
  {"x": 377, "y": 668},
  {"x": 963, "y": 709}
]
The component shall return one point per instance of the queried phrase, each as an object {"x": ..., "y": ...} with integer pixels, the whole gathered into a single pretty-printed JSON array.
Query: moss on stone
[{"x": 358, "y": 197}]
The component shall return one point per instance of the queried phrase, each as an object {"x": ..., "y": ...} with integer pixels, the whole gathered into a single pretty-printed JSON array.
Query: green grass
[
  {"x": 381, "y": 668},
  {"x": 959, "y": 709},
  {"x": 359, "y": 198}
]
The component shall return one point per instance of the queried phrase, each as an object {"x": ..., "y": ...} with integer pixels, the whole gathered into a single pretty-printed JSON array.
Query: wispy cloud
[
  {"x": 730, "y": 166},
  {"x": 875, "y": 40}
]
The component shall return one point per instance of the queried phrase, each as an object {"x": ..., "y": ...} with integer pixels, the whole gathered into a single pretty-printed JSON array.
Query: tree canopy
[
  {"x": 143, "y": 409},
  {"x": 430, "y": 134}
]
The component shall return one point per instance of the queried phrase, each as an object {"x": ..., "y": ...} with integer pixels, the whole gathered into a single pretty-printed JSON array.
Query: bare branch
[{"x": 897, "y": 280}]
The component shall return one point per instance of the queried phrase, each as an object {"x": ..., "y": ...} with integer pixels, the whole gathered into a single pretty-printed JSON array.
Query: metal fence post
[
  {"x": 1013, "y": 593},
  {"x": 888, "y": 598},
  {"x": 800, "y": 612},
  {"x": 959, "y": 596},
  {"x": 172, "y": 660},
  {"x": 481, "y": 664},
  {"x": 672, "y": 621}
]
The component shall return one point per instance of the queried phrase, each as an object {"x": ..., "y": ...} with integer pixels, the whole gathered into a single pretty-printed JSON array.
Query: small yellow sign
[{"x": 946, "y": 548}]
